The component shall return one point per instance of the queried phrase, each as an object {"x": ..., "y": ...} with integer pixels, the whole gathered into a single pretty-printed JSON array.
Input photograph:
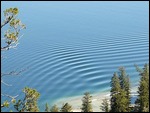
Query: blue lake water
[{"x": 74, "y": 47}]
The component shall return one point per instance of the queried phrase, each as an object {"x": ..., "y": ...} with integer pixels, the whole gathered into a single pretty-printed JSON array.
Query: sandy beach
[
  {"x": 76, "y": 101},
  {"x": 97, "y": 98}
]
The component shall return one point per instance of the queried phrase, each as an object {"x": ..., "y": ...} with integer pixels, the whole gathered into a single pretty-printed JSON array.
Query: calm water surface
[{"x": 73, "y": 47}]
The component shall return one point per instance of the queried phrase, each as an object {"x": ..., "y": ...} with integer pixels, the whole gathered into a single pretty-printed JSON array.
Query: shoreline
[{"x": 76, "y": 101}]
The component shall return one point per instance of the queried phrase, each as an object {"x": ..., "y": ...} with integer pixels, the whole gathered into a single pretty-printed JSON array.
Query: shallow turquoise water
[{"x": 73, "y": 47}]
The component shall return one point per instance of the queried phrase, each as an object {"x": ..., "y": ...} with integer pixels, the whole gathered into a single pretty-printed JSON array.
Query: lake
[{"x": 69, "y": 48}]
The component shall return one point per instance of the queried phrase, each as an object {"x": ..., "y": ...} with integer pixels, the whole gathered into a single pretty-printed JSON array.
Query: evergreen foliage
[
  {"x": 10, "y": 39},
  {"x": 115, "y": 93},
  {"x": 105, "y": 105},
  {"x": 66, "y": 108},
  {"x": 125, "y": 86},
  {"x": 54, "y": 109},
  {"x": 47, "y": 108},
  {"x": 87, "y": 103},
  {"x": 142, "y": 102},
  {"x": 29, "y": 103}
]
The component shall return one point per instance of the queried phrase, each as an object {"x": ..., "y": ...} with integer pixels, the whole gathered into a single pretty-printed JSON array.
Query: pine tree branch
[{"x": 6, "y": 21}]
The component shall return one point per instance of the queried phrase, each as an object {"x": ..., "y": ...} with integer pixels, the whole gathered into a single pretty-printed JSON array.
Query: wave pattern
[
  {"x": 65, "y": 70},
  {"x": 68, "y": 64}
]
